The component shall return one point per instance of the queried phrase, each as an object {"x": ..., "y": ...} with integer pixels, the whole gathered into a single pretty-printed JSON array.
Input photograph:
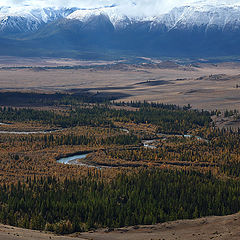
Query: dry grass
[
  {"x": 224, "y": 228},
  {"x": 181, "y": 86}
]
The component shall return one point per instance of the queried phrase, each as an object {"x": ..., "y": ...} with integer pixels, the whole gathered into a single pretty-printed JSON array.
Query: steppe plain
[{"x": 203, "y": 85}]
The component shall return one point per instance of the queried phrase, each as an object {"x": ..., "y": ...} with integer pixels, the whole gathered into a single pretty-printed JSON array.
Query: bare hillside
[{"x": 224, "y": 228}]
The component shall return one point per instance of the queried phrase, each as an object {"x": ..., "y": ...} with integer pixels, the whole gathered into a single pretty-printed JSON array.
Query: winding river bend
[
  {"x": 4, "y": 124},
  {"x": 27, "y": 132},
  {"x": 74, "y": 160},
  {"x": 185, "y": 136}
]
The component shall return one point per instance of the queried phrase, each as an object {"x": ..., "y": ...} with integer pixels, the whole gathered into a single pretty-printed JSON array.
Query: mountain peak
[{"x": 142, "y": 25}]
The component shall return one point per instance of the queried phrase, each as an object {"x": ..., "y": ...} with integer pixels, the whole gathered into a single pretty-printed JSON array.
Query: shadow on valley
[{"x": 21, "y": 99}]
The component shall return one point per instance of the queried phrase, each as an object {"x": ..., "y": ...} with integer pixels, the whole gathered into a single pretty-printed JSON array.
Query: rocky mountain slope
[{"x": 198, "y": 29}]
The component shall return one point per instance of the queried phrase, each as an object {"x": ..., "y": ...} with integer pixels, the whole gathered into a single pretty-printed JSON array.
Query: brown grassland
[{"x": 204, "y": 86}]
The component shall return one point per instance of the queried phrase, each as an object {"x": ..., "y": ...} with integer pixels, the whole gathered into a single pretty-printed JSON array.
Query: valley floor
[
  {"x": 204, "y": 86},
  {"x": 214, "y": 227}
]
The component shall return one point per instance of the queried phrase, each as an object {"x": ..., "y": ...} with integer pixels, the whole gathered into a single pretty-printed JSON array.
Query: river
[
  {"x": 74, "y": 160},
  {"x": 4, "y": 124},
  {"x": 27, "y": 133},
  {"x": 185, "y": 136}
]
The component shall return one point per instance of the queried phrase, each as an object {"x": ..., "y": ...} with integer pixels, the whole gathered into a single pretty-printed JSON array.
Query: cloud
[
  {"x": 56, "y": 3},
  {"x": 131, "y": 7}
]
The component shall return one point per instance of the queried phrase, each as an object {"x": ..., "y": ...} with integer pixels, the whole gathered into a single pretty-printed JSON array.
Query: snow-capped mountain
[
  {"x": 24, "y": 19},
  {"x": 188, "y": 17},
  {"x": 178, "y": 18},
  {"x": 187, "y": 27},
  {"x": 199, "y": 14}
]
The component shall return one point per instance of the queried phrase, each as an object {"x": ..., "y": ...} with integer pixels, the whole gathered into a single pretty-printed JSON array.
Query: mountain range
[{"x": 199, "y": 29}]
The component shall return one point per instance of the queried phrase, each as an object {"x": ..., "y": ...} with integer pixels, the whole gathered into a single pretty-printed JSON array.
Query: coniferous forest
[
  {"x": 141, "y": 163},
  {"x": 147, "y": 197}
]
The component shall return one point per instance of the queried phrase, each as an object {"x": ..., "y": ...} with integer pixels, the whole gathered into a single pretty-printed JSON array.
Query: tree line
[{"x": 168, "y": 119}]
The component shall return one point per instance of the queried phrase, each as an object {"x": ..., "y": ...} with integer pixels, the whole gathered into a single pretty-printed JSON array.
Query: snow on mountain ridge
[
  {"x": 112, "y": 13},
  {"x": 41, "y": 14},
  {"x": 28, "y": 18},
  {"x": 211, "y": 14},
  {"x": 209, "y": 17},
  {"x": 181, "y": 17}
]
